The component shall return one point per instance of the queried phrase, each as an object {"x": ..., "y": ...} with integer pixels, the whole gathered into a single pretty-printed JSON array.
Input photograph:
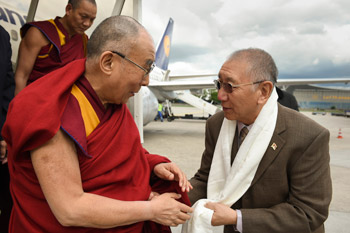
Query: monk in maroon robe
[
  {"x": 61, "y": 49},
  {"x": 75, "y": 158},
  {"x": 51, "y": 44}
]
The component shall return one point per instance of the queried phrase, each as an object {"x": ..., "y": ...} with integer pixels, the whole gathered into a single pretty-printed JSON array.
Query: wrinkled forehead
[{"x": 234, "y": 71}]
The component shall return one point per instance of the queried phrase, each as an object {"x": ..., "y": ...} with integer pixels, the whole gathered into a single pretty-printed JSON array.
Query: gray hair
[
  {"x": 114, "y": 33},
  {"x": 261, "y": 64},
  {"x": 75, "y": 3}
]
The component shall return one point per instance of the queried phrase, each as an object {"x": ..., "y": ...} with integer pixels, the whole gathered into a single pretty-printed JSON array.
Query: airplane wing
[
  {"x": 176, "y": 77},
  {"x": 305, "y": 81},
  {"x": 183, "y": 84},
  {"x": 198, "y": 82}
]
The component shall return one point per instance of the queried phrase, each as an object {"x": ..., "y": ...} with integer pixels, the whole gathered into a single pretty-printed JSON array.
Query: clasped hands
[{"x": 172, "y": 213}]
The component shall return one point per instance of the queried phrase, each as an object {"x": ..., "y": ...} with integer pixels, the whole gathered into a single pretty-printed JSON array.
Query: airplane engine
[{"x": 150, "y": 105}]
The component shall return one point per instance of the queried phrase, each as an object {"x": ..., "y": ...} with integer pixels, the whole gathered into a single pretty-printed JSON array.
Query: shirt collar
[{"x": 240, "y": 126}]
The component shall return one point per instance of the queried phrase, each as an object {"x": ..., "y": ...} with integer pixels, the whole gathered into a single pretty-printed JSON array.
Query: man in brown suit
[{"x": 291, "y": 188}]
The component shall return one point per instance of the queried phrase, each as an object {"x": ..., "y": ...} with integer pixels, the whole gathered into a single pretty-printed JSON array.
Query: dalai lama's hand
[
  {"x": 167, "y": 211},
  {"x": 170, "y": 171}
]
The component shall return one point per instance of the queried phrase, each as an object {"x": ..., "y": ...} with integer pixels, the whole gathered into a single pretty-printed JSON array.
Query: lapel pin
[{"x": 274, "y": 146}]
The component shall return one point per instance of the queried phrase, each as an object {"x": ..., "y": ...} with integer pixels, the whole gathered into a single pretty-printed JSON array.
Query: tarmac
[{"x": 182, "y": 141}]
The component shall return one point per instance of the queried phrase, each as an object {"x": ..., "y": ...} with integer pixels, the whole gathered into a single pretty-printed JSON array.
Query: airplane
[
  {"x": 162, "y": 86},
  {"x": 12, "y": 20}
]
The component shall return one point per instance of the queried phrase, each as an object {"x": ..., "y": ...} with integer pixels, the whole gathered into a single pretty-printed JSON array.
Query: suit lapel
[{"x": 276, "y": 144}]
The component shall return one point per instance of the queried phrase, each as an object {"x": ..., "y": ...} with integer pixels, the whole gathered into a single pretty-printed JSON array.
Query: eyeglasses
[
  {"x": 126, "y": 58},
  {"x": 229, "y": 88}
]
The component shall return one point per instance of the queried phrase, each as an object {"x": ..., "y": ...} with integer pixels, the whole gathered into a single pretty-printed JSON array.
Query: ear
[
  {"x": 107, "y": 63},
  {"x": 265, "y": 91},
  {"x": 69, "y": 8}
]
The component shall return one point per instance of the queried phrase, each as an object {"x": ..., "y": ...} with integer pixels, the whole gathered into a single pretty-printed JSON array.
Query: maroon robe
[
  {"x": 112, "y": 161},
  {"x": 60, "y": 51}
]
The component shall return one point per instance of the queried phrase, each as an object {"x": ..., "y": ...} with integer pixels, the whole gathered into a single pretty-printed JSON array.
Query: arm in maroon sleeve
[
  {"x": 154, "y": 159},
  {"x": 162, "y": 186}
]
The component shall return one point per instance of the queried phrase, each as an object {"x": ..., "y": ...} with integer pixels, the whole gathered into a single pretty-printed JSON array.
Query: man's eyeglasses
[
  {"x": 147, "y": 71},
  {"x": 229, "y": 88}
]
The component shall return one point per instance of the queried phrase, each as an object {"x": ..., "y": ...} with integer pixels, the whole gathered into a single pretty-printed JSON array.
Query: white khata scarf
[{"x": 227, "y": 184}]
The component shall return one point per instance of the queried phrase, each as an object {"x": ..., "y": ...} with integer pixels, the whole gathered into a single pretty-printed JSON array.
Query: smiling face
[
  {"x": 243, "y": 103},
  {"x": 81, "y": 18}
]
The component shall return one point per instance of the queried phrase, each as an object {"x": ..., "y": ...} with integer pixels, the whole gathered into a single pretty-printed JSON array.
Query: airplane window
[{"x": 14, "y": 35}]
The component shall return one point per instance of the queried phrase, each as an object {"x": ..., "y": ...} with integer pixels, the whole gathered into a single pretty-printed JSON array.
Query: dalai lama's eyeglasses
[
  {"x": 229, "y": 88},
  {"x": 147, "y": 71}
]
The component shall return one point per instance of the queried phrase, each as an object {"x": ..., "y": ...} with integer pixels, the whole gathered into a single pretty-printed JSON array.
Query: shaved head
[
  {"x": 114, "y": 33},
  {"x": 75, "y": 3},
  {"x": 120, "y": 52}
]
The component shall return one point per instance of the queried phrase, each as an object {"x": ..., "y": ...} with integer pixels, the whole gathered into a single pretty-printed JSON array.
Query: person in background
[
  {"x": 77, "y": 157},
  {"x": 51, "y": 44},
  {"x": 265, "y": 167},
  {"x": 287, "y": 99},
  {"x": 7, "y": 87},
  {"x": 160, "y": 113}
]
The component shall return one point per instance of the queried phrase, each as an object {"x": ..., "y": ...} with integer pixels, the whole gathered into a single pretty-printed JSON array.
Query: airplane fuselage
[{"x": 12, "y": 20}]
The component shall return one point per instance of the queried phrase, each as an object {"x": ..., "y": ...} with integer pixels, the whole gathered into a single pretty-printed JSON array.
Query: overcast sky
[{"x": 307, "y": 38}]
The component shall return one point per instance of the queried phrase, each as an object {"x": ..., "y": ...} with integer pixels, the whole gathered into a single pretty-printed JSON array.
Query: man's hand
[
  {"x": 3, "y": 148},
  {"x": 167, "y": 211},
  {"x": 223, "y": 214},
  {"x": 170, "y": 171}
]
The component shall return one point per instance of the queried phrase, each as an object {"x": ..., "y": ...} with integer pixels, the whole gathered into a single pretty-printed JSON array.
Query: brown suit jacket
[{"x": 292, "y": 189}]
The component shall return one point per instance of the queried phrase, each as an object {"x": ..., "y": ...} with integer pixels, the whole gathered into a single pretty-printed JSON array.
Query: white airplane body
[
  {"x": 162, "y": 86},
  {"x": 12, "y": 20}
]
